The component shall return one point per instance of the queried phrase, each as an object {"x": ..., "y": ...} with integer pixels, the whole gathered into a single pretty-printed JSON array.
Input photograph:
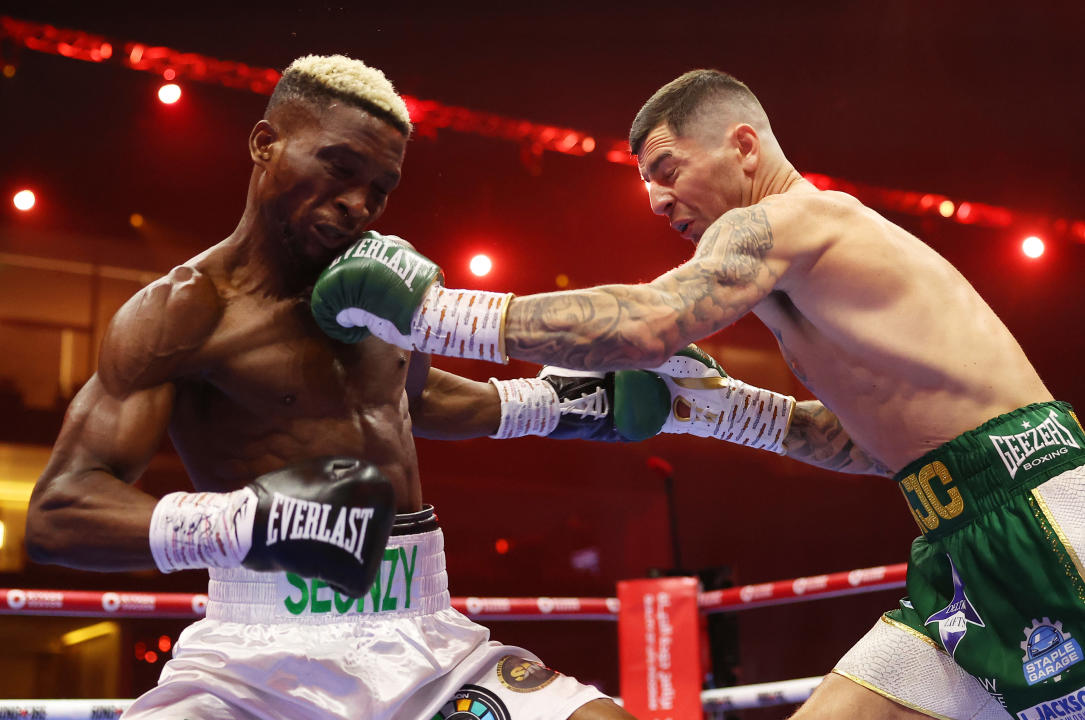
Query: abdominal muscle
[{"x": 896, "y": 342}]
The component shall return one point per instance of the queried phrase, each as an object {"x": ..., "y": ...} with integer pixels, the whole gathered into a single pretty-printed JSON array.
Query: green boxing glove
[
  {"x": 381, "y": 285},
  {"x": 706, "y": 402},
  {"x": 623, "y": 406},
  {"x": 690, "y": 394}
]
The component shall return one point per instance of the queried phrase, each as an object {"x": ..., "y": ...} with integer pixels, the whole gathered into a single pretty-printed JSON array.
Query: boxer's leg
[
  {"x": 839, "y": 697},
  {"x": 601, "y": 710}
]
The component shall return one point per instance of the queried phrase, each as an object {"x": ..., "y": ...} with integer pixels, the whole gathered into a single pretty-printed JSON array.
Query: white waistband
[{"x": 411, "y": 581}]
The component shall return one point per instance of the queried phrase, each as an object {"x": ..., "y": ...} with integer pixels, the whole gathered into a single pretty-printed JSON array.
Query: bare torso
[
  {"x": 886, "y": 333},
  {"x": 265, "y": 388}
]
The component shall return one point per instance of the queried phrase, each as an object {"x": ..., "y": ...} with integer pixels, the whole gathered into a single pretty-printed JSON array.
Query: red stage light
[
  {"x": 151, "y": 657},
  {"x": 24, "y": 200},
  {"x": 141, "y": 650},
  {"x": 169, "y": 93},
  {"x": 1032, "y": 246},
  {"x": 169, "y": 74},
  {"x": 481, "y": 265},
  {"x": 501, "y": 546},
  {"x": 164, "y": 643}
]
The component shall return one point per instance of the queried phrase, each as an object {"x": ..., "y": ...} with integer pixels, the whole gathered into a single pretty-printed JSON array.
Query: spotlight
[
  {"x": 946, "y": 208},
  {"x": 24, "y": 200},
  {"x": 169, "y": 93},
  {"x": 1032, "y": 246},
  {"x": 481, "y": 265}
]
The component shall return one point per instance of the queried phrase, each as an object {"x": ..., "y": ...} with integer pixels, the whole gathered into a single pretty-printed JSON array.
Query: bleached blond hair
[{"x": 315, "y": 79}]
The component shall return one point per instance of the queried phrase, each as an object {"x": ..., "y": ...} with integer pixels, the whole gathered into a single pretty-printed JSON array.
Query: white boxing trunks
[{"x": 275, "y": 645}]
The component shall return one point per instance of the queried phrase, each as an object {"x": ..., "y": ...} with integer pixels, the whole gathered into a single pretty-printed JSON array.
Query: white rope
[
  {"x": 63, "y": 709},
  {"x": 739, "y": 697}
]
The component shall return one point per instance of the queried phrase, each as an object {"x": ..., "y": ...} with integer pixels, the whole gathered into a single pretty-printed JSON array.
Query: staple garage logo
[{"x": 1049, "y": 650}]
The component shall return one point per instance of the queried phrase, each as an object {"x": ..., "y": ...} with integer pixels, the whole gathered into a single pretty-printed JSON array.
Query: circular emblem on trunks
[
  {"x": 472, "y": 702},
  {"x": 521, "y": 675}
]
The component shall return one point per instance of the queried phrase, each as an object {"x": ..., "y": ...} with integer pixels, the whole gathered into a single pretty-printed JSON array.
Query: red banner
[{"x": 659, "y": 644}]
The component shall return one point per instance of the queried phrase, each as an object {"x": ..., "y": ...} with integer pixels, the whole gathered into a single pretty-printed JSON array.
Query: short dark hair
[
  {"x": 319, "y": 80},
  {"x": 678, "y": 102}
]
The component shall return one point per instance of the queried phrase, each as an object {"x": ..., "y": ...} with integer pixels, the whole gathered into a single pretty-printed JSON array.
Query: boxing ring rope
[
  {"x": 741, "y": 697},
  {"x": 88, "y": 603},
  {"x": 112, "y": 604}
]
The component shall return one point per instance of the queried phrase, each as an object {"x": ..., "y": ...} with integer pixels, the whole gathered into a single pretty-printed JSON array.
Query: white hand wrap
[
  {"x": 707, "y": 405},
  {"x": 529, "y": 406},
  {"x": 461, "y": 323},
  {"x": 199, "y": 530}
]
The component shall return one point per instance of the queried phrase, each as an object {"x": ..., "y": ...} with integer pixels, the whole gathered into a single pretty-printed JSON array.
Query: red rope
[{"x": 87, "y": 603}]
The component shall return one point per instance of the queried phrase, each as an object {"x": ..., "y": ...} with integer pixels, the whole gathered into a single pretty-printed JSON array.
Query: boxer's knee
[
  {"x": 838, "y": 697},
  {"x": 601, "y": 710}
]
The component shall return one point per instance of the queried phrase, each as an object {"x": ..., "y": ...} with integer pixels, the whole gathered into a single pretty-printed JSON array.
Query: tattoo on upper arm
[
  {"x": 817, "y": 437},
  {"x": 628, "y": 325},
  {"x": 739, "y": 240}
]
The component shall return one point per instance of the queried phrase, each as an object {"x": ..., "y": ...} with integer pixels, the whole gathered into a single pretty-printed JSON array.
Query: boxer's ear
[
  {"x": 262, "y": 142},
  {"x": 748, "y": 146}
]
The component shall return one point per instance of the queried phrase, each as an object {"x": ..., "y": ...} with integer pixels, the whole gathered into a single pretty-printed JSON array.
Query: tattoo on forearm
[
  {"x": 817, "y": 437},
  {"x": 630, "y": 325}
]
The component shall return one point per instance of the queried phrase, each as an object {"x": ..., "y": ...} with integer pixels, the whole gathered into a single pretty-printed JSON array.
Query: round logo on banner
[
  {"x": 521, "y": 675},
  {"x": 613, "y": 605},
  {"x": 474, "y": 606},
  {"x": 472, "y": 702},
  {"x": 199, "y": 604},
  {"x": 546, "y": 605},
  {"x": 111, "y": 602},
  {"x": 16, "y": 599}
]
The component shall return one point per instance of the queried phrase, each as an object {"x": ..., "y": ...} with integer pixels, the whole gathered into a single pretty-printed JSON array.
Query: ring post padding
[{"x": 659, "y": 647}]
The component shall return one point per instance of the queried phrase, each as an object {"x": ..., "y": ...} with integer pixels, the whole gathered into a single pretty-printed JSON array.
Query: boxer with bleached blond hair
[{"x": 328, "y": 597}]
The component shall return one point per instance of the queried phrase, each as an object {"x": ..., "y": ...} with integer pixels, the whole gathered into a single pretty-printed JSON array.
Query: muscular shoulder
[
  {"x": 154, "y": 335},
  {"x": 805, "y": 225}
]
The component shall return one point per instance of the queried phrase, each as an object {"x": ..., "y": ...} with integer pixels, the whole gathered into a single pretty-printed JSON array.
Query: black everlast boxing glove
[
  {"x": 623, "y": 406},
  {"x": 327, "y": 518}
]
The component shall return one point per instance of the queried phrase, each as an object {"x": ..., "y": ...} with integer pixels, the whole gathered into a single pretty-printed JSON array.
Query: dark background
[{"x": 978, "y": 101}]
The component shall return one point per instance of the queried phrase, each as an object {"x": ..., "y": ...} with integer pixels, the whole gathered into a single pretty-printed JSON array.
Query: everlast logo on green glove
[
  {"x": 293, "y": 519},
  {"x": 402, "y": 261}
]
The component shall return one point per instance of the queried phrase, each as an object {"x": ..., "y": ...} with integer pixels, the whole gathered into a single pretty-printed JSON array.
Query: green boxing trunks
[{"x": 996, "y": 583}]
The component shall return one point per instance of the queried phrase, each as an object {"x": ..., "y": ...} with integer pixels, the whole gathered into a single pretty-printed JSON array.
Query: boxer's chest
[{"x": 270, "y": 359}]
